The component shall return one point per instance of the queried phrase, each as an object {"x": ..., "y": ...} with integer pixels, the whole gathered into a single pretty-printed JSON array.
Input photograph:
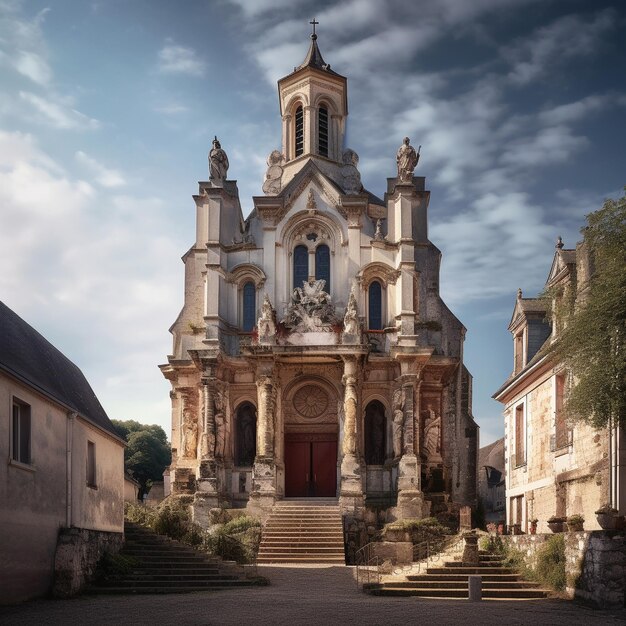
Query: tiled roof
[
  {"x": 30, "y": 357},
  {"x": 314, "y": 59}
]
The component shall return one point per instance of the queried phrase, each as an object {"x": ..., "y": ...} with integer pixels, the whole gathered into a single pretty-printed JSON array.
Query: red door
[{"x": 310, "y": 465}]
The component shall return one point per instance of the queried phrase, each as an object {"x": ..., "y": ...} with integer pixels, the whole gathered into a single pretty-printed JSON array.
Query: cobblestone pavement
[{"x": 298, "y": 595}]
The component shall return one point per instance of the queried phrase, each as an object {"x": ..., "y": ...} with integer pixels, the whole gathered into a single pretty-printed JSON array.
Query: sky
[{"x": 108, "y": 109}]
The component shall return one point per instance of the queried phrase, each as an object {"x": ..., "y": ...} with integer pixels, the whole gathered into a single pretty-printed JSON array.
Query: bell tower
[{"x": 314, "y": 107}]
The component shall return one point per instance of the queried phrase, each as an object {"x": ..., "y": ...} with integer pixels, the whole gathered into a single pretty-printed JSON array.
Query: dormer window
[
  {"x": 322, "y": 126},
  {"x": 299, "y": 131}
]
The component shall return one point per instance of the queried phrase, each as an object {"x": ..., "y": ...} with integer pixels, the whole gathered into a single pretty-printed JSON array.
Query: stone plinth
[
  {"x": 398, "y": 552},
  {"x": 470, "y": 551}
]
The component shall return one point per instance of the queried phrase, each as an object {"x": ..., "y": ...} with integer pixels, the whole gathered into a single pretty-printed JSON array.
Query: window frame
[
  {"x": 246, "y": 404},
  {"x": 21, "y": 415},
  {"x": 520, "y": 434},
  {"x": 244, "y": 305},
  {"x": 91, "y": 467},
  {"x": 367, "y": 419},
  {"x": 318, "y": 275},
  {"x": 369, "y": 305},
  {"x": 323, "y": 134},
  {"x": 298, "y": 131}
]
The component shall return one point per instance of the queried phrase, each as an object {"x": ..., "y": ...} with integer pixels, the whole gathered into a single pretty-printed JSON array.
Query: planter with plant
[
  {"x": 555, "y": 524},
  {"x": 607, "y": 517},
  {"x": 575, "y": 523},
  {"x": 533, "y": 526}
]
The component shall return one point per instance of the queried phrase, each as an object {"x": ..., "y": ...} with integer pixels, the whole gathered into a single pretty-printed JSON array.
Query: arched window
[
  {"x": 375, "y": 433},
  {"x": 300, "y": 265},
  {"x": 375, "y": 316},
  {"x": 322, "y": 126},
  {"x": 322, "y": 265},
  {"x": 245, "y": 435},
  {"x": 299, "y": 131},
  {"x": 248, "y": 307}
]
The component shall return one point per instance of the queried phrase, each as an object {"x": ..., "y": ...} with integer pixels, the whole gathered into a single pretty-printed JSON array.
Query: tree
[
  {"x": 147, "y": 452},
  {"x": 591, "y": 340}
]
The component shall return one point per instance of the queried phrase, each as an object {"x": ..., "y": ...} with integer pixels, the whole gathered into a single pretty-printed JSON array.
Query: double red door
[{"x": 310, "y": 465}]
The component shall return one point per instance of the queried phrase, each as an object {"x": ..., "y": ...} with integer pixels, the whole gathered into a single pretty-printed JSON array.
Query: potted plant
[
  {"x": 607, "y": 517},
  {"x": 575, "y": 522},
  {"x": 555, "y": 524},
  {"x": 533, "y": 526}
]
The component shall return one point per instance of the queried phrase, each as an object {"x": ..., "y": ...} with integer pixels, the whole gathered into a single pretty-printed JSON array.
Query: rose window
[{"x": 310, "y": 401}]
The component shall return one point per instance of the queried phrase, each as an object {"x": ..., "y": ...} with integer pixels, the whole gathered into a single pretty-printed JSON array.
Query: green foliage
[
  {"x": 591, "y": 338},
  {"x": 550, "y": 567},
  {"x": 240, "y": 524},
  {"x": 147, "y": 452},
  {"x": 140, "y": 514},
  {"x": 426, "y": 529}
]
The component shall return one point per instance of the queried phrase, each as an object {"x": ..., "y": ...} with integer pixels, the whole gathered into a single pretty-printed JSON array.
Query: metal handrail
[
  {"x": 368, "y": 565},
  {"x": 427, "y": 552}
]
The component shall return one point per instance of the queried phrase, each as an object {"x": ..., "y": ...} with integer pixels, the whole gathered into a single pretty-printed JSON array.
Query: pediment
[{"x": 560, "y": 267}]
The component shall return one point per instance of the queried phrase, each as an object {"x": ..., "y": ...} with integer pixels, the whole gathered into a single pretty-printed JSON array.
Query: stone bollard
[{"x": 475, "y": 588}]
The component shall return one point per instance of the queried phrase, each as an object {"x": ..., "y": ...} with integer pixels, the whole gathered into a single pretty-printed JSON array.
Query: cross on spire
[{"x": 314, "y": 22}]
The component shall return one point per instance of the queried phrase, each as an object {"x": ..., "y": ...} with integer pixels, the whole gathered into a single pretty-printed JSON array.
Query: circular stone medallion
[{"x": 310, "y": 401}]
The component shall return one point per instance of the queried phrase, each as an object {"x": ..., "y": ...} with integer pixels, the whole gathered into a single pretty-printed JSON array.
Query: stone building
[
  {"x": 62, "y": 475},
  {"x": 491, "y": 484},
  {"x": 554, "y": 467},
  {"x": 313, "y": 356}
]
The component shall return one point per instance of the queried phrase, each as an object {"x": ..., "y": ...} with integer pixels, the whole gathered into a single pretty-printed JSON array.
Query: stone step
[
  {"x": 482, "y": 565},
  {"x": 499, "y": 594},
  {"x": 463, "y": 577},
  {"x": 463, "y": 584},
  {"x": 338, "y": 544},
  {"x": 167, "y": 589},
  {"x": 281, "y": 558},
  {"x": 300, "y": 550},
  {"x": 471, "y": 570}
]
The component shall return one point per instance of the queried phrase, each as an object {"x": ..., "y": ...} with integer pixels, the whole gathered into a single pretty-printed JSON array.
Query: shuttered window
[
  {"x": 322, "y": 124},
  {"x": 299, "y": 131}
]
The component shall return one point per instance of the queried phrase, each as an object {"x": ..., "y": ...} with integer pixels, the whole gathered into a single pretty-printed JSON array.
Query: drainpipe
[{"x": 68, "y": 460}]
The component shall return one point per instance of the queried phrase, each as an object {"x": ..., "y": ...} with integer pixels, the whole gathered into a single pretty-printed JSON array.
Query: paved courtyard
[{"x": 298, "y": 595}]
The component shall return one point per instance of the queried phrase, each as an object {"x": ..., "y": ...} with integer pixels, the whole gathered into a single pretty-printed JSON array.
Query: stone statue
[
  {"x": 431, "y": 441},
  {"x": 266, "y": 324},
  {"x": 351, "y": 325},
  {"x": 398, "y": 422},
  {"x": 220, "y": 425},
  {"x": 218, "y": 164},
  {"x": 350, "y": 174},
  {"x": 378, "y": 235},
  {"x": 406, "y": 159},
  {"x": 274, "y": 173},
  {"x": 190, "y": 435}
]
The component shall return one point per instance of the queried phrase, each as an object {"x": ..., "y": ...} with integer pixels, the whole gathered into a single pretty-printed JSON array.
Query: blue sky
[{"x": 107, "y": 111}]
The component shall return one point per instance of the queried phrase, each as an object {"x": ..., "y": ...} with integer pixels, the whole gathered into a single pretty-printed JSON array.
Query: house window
[
  {"x": 562, "y": 431},
  {"x": 520, "y": 436},
  {"x": 516, "y": 511},
  {"x": 248, "y": 307},
  {"x": 300, "y": 265},
  {"x": 375, "y": 306},
  {"x": 299, "y": 131},
  {"x": 322, "y": 122},
  {"x": 519, "y": 352},
  {"x": 245, "y": 435},
  {"x": 322, "y": 265},
  {"x": 91, "y": 464},
  {"x": 20, "y": 441},
  {"x": 375, "y": 433}
]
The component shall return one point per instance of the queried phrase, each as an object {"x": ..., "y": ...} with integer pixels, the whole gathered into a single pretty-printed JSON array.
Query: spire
[{"x": 314, "y": 56}]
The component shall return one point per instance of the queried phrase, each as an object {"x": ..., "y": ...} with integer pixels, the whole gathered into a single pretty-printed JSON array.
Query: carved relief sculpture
[
  {"x": 431, "y": 446},
  {"x": 349, "y": 410},
  {"x": 351, "y": 326},
  {"x": 218, "y": 164},
  {"x": 406, "y": 159},
  {"x": 189, "y": 429},
  {"x": 349, "y": 172},
  {"x": 310, "y": 308},
  {"x": 220, "y": 425},
  {"x": 398, "y": 422}
]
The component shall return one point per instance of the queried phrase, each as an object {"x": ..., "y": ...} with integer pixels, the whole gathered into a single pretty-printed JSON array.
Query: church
[{"x": 313, "y": 356}]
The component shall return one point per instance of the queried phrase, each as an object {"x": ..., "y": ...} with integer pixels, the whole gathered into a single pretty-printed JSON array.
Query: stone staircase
[
  {"x": 451, "y": 581},
  {"x": 167, "y": 566},
  {"x": 306, "y": 531}
]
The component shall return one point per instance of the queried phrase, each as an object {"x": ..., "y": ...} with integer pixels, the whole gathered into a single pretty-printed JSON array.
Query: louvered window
[
  {"x": 299, "y": 131},
  {"x": 322, "y": 121}
]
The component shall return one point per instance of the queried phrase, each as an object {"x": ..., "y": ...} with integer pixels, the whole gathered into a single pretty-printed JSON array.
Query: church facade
[{"x": 313, "y": 356}]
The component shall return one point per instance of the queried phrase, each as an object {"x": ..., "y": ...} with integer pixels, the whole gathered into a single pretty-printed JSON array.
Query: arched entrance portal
[{"x": 311, "y": 440}]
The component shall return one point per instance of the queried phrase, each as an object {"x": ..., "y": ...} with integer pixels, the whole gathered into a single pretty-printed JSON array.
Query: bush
[
  {"x": 420, "y": 530},
  {"x": 240, "y": 524},
  {"x": 114, "y": 566},
  {"x": 550, "y": 568},
  {"x": 139, "y": 514}
]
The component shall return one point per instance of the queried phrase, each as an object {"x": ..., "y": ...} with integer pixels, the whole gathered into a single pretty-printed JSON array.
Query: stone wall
[
  {"x": 595, "y": 563},
  {"x": 77, "y": 555}
]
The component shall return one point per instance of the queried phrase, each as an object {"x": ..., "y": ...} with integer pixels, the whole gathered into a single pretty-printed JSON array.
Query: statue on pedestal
[
  {"x": 218, "y": 164},
  {"x": 407, "y": 159}
]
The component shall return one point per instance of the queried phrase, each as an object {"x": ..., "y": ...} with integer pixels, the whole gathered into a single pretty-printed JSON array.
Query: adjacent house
[
  {"x": 62, "y": 475},
  {"x": 554, "y": 467},
  {"x": 491, "y": 489}
]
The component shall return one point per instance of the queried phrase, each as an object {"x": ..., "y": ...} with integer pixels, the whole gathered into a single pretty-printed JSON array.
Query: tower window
[
  {"x": 322, "y": 265},
  {"x": 300, "y": 265},
  {"x": 375, "y": 306},
  {"x": 248, "y": 307},
  {"x": 322, "y": 123},
  {"x": 299, "y": 131}
]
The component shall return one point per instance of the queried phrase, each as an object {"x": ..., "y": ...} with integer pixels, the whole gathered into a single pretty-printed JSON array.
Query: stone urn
[
  {"x": 555, "y": 524},
  {"x": 575, "y": 523},
  {"x": 607, "y": 518}
]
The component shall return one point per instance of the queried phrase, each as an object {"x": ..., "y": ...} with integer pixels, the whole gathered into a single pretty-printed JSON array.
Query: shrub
[
  {"x": 114, "y": 566},
  {"x": 139, "y": 514},
  {"x": 420, "y": 530},
  {"x": 551, "y": 562},
  {"x": 240, "y": 524}
]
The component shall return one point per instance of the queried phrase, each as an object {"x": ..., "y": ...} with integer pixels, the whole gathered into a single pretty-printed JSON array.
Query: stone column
[
  {"x": 351, "y": 488},
  {"x": 410, "y": 498},
  {"x": 263, "y": 494},
  {"x": 206, "y": 496}
]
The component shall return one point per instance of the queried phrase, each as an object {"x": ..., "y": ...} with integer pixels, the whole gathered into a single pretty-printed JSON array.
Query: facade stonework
[{"x": 313, "y": 356}]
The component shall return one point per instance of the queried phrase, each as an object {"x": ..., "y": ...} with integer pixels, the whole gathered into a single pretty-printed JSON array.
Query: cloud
[
  {"x": 103, "y": 175},
  {"x": 57, "y": 114},
  {"x": 33, "y": 66},
  {"x": 175, "y": 59},
  {"x": 567, "y": 37},
  {"x": 578, "y": 110},
  {"x": 173, "y": 108}
]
